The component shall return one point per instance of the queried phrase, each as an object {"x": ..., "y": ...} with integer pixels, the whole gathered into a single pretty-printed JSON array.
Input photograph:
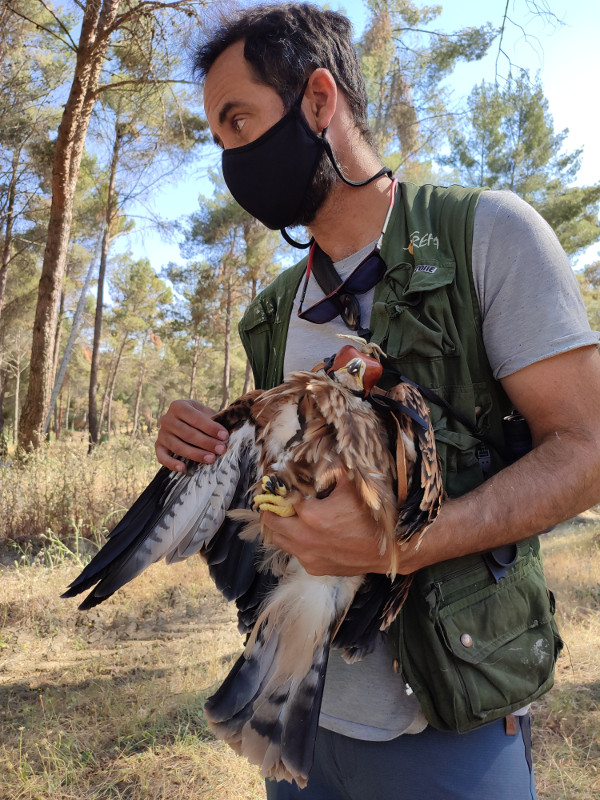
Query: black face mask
[{"x": 270, "y": 176}]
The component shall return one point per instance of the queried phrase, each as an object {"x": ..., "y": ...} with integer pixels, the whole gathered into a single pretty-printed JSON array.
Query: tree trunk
[
  {"x": 67, "y": 410},
  {"x": 195, "y": 358},
  {"x": 138, "y": 399},
  {"x": 105, "y": 394},
  {"x": 4, "y": 11},
  {"x": 98, "y": 15},
  {"x": 8, "y": 227},
  {"x": 93, "y": 387},
  {"x": 108, "y": 222},
  {"x": 56, "y": 413},
  {"x": 59, "y": 417},
  {"x": 59, "y": 325},
  {"x": 227, "y": 360},
  {"x": 17, "y": 393},
  {"x": 3, "y": 384},
  {"x": 113, "y": 381},
  {"x": 73, "y": 335}
]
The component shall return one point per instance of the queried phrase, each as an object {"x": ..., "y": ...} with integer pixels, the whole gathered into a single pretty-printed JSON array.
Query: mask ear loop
[
  {"x": 293, "y": 242},
  {"x": 383, "y": 171},
  {"x": 283, "y": 231}
]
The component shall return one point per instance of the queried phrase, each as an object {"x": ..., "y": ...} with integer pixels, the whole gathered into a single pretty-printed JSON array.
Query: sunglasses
[{"x": 341, "y": 301}]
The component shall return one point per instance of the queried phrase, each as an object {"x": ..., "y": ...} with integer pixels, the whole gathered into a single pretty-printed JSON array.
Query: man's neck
[{"x": 351, "y": 217}]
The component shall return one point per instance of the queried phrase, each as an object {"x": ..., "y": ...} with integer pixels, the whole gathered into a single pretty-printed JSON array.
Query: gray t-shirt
[{"x": 531, "y": 310}]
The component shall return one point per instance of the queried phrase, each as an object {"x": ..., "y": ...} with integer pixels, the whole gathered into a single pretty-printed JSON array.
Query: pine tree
[
  {"x": 153, "y": 25},
  {"x": 508, "y": 141},
  {"x": 405, "y": 59}
]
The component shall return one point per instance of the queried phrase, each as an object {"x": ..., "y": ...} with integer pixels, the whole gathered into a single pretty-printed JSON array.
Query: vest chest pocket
[{"x": 414, "y": 318}]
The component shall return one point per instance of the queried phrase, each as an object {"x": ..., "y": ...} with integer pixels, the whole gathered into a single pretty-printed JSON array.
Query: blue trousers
[{"x": 484, "y": 764}]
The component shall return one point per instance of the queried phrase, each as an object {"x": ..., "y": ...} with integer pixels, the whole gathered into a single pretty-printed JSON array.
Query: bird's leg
[{"x": 273, "y": 497}]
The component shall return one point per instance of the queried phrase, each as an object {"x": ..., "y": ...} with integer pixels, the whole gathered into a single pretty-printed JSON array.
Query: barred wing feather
[{"x": 176, "y": 516}]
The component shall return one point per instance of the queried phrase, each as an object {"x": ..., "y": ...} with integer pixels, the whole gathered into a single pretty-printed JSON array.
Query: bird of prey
[{"x": 291, "y": 442}]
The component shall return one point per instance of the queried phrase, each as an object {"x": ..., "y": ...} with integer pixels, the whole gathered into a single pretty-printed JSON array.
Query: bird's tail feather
[
  {"x": 268, "y": 707},
  {"x": 272, "y": 723}
]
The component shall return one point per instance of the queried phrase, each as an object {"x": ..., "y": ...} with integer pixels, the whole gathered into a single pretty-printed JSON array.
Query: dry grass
[
  {"x": 567, "y": 721},
  {"x": 61, "y": 491},
  {"x": 107, "y": 704}
]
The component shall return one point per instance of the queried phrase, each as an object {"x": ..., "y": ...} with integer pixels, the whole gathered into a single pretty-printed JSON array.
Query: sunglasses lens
[
  {"x": 365, "y": 276},
  {"x": 322, "y": 312}
]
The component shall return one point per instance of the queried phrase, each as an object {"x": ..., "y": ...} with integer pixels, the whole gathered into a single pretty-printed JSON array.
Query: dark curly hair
[{"x": 284, "y": 43}]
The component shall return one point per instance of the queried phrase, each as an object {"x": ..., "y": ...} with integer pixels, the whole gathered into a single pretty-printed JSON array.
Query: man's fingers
[
  {"x": 201, "y": 439},
  {"x": 166, "y": 458},
  {"x": 187, "y": 430},
  {"x": 184, "y": 416},
  {"x": 205, "y": 450}
]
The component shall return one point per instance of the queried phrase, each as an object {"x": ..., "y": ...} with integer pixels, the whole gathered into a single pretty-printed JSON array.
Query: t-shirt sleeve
[{"x": 529, "y": 298}]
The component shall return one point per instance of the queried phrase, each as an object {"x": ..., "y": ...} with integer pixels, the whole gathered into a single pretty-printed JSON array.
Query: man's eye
[{"x": 238, "y": 124}]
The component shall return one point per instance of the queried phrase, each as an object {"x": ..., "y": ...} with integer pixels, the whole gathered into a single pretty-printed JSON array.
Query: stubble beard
[{"x": 324, "y": 180}]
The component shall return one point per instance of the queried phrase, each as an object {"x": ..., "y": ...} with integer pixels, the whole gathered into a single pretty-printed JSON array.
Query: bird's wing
[
  {"x": 419, "y": 494},
  {"x": 178, "y": 515},
  {"x": 236, "y": 564},
  {"x": 425, "y": 487}
]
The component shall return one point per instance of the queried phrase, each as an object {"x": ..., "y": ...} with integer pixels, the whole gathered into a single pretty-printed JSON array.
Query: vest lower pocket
[{"x": 474, "y": 650}]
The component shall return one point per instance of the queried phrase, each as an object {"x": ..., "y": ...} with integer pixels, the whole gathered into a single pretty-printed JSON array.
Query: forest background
[{"x": 100, "y": 115}]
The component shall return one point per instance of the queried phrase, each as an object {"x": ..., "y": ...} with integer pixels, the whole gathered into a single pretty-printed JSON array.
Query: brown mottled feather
[{"x": 429, "y": 491}]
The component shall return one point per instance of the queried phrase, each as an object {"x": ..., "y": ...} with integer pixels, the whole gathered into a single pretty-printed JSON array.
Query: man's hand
[
  {"x": 188, "y": 430},
  {"x": 333, "y": 536}
]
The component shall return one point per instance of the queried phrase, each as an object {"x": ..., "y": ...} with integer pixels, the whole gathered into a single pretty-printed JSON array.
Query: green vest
[{"x": 426, "y": 318}]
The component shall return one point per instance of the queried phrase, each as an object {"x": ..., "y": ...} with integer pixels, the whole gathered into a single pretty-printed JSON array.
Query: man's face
[{"x": 239, "y": 109}]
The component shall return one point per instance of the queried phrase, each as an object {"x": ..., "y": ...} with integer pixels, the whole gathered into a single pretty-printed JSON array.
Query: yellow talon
[
  {"x": 274, "y": 485},
  {"x": 273, "y": 497},
  {"x": 281, "y": 511},
  {"x": 272, "y": 502}
]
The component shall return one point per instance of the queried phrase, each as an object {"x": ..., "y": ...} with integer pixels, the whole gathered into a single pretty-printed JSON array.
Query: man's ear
[{"x": 320, "y": 99}]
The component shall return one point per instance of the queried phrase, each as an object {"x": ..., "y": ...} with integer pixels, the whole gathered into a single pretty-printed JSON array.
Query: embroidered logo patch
[
  {"x": 422, "y": 240},
  {"x": 425, "y": 268}
]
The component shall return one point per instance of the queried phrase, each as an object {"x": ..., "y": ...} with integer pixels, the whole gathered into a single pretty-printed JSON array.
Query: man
[{"x": 479, "y": 302}]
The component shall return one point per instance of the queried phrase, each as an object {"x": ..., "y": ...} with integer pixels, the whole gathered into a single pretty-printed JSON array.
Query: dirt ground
[{"x": 108, "y": 703}]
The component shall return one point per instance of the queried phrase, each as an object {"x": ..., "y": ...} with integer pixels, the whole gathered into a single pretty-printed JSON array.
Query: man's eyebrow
[
  {"x": 226, "y": 108},
  {"x": 223, "y": 112}
]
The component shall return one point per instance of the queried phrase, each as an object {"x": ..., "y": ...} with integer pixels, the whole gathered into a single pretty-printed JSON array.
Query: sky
[{"x": 565, "y": 52}]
